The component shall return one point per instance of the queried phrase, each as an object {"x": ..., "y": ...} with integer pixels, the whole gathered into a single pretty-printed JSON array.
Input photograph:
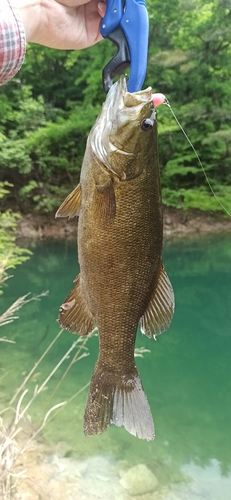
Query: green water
[{"x": 186, "y": 376}]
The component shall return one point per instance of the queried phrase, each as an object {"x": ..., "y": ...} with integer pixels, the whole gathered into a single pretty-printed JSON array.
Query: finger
[
  {"x": 73, "y": 3},
  {"x": 102, "y": 8}
]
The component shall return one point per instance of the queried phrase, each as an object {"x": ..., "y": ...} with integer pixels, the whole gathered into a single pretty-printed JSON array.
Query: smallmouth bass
[{"x": 122, "y": 281}]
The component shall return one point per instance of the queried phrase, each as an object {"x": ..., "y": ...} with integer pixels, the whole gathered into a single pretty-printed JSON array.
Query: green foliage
[
  {"x": 191, "y": 64},
  {"x": 11, "y": 254},
  {"x": 200, "y": 197},
  {"x": 46, "y": 112}
]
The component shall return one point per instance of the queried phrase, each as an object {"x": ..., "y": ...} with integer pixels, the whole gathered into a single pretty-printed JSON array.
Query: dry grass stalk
[
  {"x": 9, "y": 315},
  {"x": 10, "y": 447}
]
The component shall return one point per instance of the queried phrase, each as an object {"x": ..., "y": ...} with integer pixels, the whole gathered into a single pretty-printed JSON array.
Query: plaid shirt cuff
[{"x": 12, "y": 41}]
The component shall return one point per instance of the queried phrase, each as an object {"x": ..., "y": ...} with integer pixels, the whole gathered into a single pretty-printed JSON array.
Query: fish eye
[{"x": 147, "y": 124}]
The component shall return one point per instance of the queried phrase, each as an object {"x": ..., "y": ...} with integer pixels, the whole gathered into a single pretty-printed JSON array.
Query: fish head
[{"x": 125, "y": 131}]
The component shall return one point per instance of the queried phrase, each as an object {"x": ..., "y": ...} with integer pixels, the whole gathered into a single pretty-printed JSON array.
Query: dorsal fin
[
  {"x": 160, "y": 309},
  {"x": 71, "y": 205}
]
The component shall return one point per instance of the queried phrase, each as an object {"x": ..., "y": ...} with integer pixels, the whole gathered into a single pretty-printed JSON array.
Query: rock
[
  {"x": 122, "y": 467},
  {"x": 176, "y": 222},
  {"x": 139, "y": 480},
  {"x": 168, "y": 221},
  {"x": 63, "y": 450}
]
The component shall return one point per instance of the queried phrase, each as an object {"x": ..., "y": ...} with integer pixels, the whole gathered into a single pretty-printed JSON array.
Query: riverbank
[{"x": 177, "y": 223}]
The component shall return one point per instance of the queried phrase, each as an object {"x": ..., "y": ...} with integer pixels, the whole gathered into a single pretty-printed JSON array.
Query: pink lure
[{"x": 158, "y": 99}]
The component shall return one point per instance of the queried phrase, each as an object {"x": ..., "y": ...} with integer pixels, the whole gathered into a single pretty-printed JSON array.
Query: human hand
[{"x": 64, "y": 24}]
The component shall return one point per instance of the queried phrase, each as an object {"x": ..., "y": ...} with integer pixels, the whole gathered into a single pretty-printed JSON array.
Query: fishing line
[{"x": 165, "y": 101}]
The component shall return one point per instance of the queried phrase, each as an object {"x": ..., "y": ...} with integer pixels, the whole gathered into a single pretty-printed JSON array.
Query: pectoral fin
[
  {"x": 74, "y": 313},
  {"x": 159, "y": 312},
  {"x": 106, "y": 201},
  {"x": 71, "y": 205}
]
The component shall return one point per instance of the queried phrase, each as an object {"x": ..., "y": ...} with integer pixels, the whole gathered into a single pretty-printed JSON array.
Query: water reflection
[{"x": 186, "y": 376}]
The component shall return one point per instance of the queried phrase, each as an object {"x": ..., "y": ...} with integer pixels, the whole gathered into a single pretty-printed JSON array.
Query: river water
[{"x": 186, "y": 377}]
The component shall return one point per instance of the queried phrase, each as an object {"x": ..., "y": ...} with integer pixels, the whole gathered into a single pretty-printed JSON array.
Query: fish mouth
[
  {"x": 115, "y": 97},
  {"x": 119, "y": 103},
  {"x": 119, "y": 98}
]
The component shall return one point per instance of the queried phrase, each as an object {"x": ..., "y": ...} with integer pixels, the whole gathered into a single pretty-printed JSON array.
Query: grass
[{"x": 13, "y": 442}]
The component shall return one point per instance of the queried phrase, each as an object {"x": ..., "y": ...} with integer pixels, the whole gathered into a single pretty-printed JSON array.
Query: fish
[{"x": 122, "y": 281}]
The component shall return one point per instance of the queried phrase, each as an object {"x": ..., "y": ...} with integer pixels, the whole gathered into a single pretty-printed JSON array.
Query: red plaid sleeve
[{"x": 12, "y": 41}]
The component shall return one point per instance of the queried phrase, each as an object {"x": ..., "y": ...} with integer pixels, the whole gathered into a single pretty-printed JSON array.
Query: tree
[{"x": 47, "y": 111}]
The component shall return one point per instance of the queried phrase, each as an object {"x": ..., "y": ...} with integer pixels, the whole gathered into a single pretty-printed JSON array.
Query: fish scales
[{"x": 122, "y": 281}]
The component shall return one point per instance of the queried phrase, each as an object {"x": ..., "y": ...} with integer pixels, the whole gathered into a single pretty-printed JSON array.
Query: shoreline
[{"x": 177, "y": 223}]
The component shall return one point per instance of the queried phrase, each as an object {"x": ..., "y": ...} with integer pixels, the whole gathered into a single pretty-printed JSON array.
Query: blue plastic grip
[
  {"x": 135, "y": 25},
  {"x": 112, "y": 18},
  {"x": 133, "y": 19}
]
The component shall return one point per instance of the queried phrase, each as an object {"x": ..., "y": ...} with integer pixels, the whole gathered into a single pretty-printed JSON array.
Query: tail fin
[{"x": 120, "y": 400}]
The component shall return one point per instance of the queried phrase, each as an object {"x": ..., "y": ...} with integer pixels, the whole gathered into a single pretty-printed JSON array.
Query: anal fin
[
  {"x": 71, "y": 205},
  {"x": 160, "y": 309},
  {"x": 74, "y": 313}
]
